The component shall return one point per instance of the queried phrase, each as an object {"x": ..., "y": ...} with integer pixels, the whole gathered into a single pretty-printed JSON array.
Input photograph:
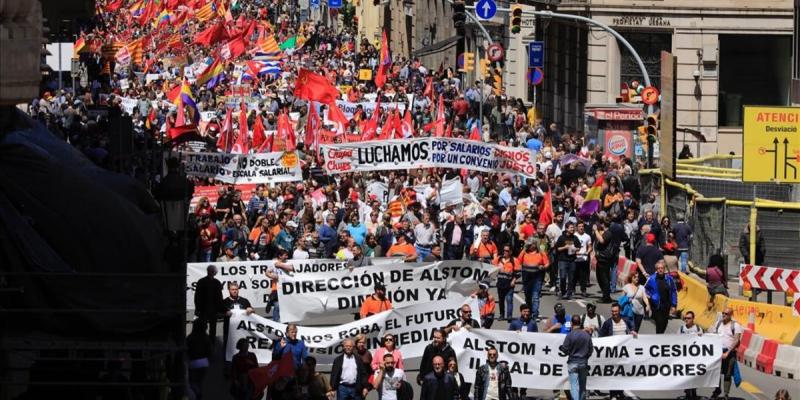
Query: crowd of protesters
[{"x": 533, "y": 229}]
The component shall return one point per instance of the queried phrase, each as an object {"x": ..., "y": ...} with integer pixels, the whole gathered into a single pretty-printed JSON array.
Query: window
[
  {"x": 753, "y": 70},
  {"x": 649, "y": 45}
]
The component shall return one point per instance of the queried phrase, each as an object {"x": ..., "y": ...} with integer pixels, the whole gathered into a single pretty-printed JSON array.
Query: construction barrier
[
  {"x": 771, "y": 321},
  {"x": 744, "y": 343},
  {"x": 753, "y": 350},
  {"x": 766, "y": 359},
  {"x": 787, "y": 362}
]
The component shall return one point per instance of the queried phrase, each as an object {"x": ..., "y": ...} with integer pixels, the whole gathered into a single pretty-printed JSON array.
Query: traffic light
[
  {"x": 468, "y": 64},
  {"x": 459, "y": 15},
  {"x": 516, "y": 19},
  {"x": 652, "y": 125},
  {"x": 497, "y": 83},
  {"x": 485, "y": 67}
]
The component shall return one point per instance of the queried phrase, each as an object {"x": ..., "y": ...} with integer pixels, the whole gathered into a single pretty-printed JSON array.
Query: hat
[
  {"x": 483, "y": 285},
  {"x": 591, "y": 305}
]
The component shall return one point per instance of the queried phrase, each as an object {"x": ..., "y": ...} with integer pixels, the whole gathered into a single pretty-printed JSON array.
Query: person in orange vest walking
[
  {"x": 376, "y": 302},
  {"x": 486, "y": 304},
  {"x": 485, "y": 250},
  {"x": 533, "y": 262},
  {"x": 506, "y": 280}
]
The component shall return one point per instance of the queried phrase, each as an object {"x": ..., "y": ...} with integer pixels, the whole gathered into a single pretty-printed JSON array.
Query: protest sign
[
  {"x": 124, "y": 84},
  {"x": 306, "y": 295},
  {"x": 244, "y": 168},
  {"x": 250, "y": 275},
  {"x": 428, "y": 152},
  {"x": 649, "y": 362},
  {"x": 349, "y": 108},
  {"x": 412, "y": 326},
  {"x": 128, "y": 104}
]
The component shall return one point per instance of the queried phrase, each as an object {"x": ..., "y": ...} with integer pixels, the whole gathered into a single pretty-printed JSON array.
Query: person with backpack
[
  {"x": 663, "y": 296},
  {"x": 690, "y": 328},
  {"x": 616, "y": 326},
  {"x": 634, "y": 301},
  {"x": 731, "y": 332},
  {"x": 591, "y": 320}
]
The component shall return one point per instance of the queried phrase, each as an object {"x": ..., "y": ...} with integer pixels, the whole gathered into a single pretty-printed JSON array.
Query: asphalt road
[{"x": 755, "y": 385}]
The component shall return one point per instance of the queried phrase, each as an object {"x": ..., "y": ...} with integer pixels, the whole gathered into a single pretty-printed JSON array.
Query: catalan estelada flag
[{"x": 206, "y": 12}]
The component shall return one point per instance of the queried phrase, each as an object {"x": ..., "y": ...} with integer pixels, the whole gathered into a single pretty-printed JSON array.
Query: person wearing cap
[
  {"x": 533, "y": 262},
  {"x": 591, "y": 320},
  {"x": 376, "y": 302},
  {"x": 285, "y": 238},
  {"x": 402, "y": 249},
  {"x": 486, "y": 304},
  {"x": 663, "y": 296},
  {"x": 647, "y": 255},
  {"x": 561, "y": 321},
  {"x": 229, "y": 254}
]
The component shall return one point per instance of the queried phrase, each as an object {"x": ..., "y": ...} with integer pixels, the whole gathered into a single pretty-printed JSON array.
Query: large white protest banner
[
  {"x": 649, "y": 362},
  {"x": 251, "y": 276},
  {"x": 244, "y": 168},
  {"x": 306, "y": 295},
  {"x": 428, "y": 152},
  {"x": 412, "y": 326},
  {"x": 349, "y": 108}
]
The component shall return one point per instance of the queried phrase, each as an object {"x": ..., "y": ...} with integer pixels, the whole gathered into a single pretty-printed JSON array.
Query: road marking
[
  {"x": 753, "y": 390},
  {"x": 580, "y": 303}
]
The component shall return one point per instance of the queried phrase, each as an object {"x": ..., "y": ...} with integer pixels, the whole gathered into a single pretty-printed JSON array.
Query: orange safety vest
[
  {"x": 529, "y": 260},
  {"x": 372, "y": 306},
  {"x": 507, "y": 268}
]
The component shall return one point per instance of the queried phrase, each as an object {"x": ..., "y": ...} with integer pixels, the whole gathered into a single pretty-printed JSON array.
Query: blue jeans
[
  {"x": 276, "y": 311},
  {"x": 347, "y": 393},
  {"x": 205, "y": 255},
  {"x": 422, "y": 252},
  {"x": 566, "y": 275},
  {"x": 577, "y": 380},
  {"x": 532, "y": 288},
  {"x": 683, "y": 260}
]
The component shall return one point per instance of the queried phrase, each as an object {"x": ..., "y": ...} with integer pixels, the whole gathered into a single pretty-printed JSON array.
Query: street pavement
[{"x": 755, "y": 385}]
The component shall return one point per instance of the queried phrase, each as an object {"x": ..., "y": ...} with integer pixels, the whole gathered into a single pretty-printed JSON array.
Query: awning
[{"x": 436, "y": 47}]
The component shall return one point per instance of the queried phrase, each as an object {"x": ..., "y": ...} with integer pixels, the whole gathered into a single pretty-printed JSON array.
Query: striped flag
[
  {"x": 206, "y": 12},
  {"x": 78, "y": 46}
]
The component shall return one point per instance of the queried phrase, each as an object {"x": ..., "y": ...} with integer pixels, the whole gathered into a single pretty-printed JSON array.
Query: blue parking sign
[
  {"x": 536, "y": 54},
  {"x": 335, "y": 3}
]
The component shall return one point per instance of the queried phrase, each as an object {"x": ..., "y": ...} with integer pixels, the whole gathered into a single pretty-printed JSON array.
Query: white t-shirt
[
  {"x": 586, "y": 244},
  {"x": 493, "y": 388},
  {"x": 618, "y": 328},
  {"x": 727, "y": 332},
  {"x": 636, "y": 294},
  {"x": 388, "y": 389},
  {"x": 595, "y": 322},
  {"x": 299, "y": 254}
]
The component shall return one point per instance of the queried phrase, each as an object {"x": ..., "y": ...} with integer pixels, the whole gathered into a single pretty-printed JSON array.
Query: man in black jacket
[
  {"x": 208, "y": 300},
  {"x": 438, "y": 347},
  {"x": 348, "y": 375},
  {"x": 438, "y": 385},
  {"x": 492, "y": 371},
  {"x": 455, "y": 233}
]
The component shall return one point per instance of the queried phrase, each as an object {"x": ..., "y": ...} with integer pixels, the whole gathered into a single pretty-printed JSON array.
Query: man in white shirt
[
  {"x": 388, "y": 380},
  {"x": 582, "y": 259},
  {"x": 424, "y": 233},
  {"x": 690, "y": 328},
  {"x": 349, "y": 374},
  {"x": 731, "y": 333},
  {"x": 553, "y": 232}
]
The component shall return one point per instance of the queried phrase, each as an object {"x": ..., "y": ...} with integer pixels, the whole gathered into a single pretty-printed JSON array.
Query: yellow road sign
[{"x": 771, "y": 144}]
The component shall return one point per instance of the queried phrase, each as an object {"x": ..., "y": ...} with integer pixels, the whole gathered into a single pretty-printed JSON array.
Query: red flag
[
  {"x": 388, "y": 128},
  {"x": 312, "y": 125},
  {"x": 151, "y": 118},
  {"x": 383, "y": 63},
  {"x": 233, "y": 48},
  {"x": 474, "y": 133},
  {"x": 338, "y": 118},
  {"x": 259, "y": 137},
  {"x": 428, "y": 87},
  {"x": 286, "y": 132},
  {"x": 397, "y": 125},
  {"x": 408, "y": 125},
  {"x": 113, "y": 6},
  {"x": 211, "y": 35},
  {"x": 272, "y": 372},
  {"x": 242, "y": 145},
  {"x": 545, "y": 210},
  {"x": 438, "y": 124},
  {"x": 226, "y": 134},
  {"x": 449, "y": 131},
  {"x": 180, "y": 119},
  {"x": 311, "y": 86},
  {"x": 177, "y": 131},
  {"x": 371, "y": 127}
]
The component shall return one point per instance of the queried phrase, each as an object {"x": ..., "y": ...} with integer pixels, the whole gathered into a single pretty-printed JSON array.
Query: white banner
[
  {"x": 426, "y": 153},
  {"x": 306, "y": 295},
  {"x": 452, "y": 193},
  {"x": 128, "y": 104},
  {"x": 244, "y": 168},
  {"x": 649, "y": 362},
  {"x": 251, "y": 277},
  {"x": 412, "y": 327},
  {"x": 349, "y": 108}
]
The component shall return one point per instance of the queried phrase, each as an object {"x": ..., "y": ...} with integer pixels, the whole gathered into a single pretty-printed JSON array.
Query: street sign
[
  {"x": 536, "y": 54},
  {"x": 771, "y": 144},
  {"x": 650, "y": 95},
  {"x": 495, "y": 52},
  {"x": 486, "y": 9},
  {"x": 334, "y": 3},
  {"x": 535, "y": 76}
]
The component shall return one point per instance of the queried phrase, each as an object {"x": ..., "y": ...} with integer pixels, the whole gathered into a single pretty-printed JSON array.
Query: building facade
[{"x": 729, "y": 53}]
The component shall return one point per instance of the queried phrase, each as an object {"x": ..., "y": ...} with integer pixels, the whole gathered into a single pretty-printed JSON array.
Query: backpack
[
  {"x": 599, "y": 325},
  {"x": 626, "y": 306}
]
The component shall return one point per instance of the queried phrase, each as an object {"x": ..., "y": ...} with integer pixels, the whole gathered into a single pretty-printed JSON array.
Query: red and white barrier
[
  {"x": 787, "y": 362},
  {"x": 769, "y": 278}
]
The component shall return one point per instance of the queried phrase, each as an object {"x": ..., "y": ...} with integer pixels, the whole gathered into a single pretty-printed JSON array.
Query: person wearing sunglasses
[
  {"x": 690, "y": 328},
  {"x": 731, "y": 332}
]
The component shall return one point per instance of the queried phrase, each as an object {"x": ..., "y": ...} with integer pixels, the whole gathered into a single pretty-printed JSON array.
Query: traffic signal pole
[{"x": 550, "y": 14}]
